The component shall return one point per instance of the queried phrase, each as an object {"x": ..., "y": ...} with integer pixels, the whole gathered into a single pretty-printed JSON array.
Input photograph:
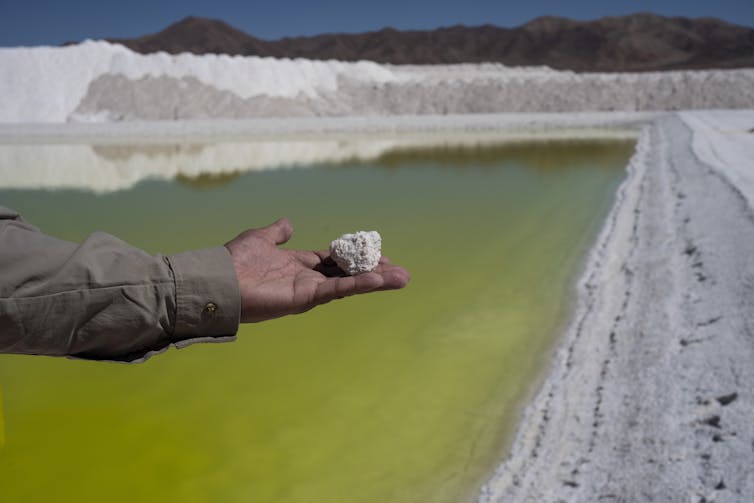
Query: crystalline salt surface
[{"x": 357, "y": 253}]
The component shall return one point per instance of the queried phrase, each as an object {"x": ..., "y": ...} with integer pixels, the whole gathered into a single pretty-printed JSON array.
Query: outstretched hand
[{"x": 275, "y": 282}]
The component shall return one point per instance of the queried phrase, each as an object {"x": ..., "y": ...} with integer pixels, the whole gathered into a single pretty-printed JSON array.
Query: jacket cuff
[{"x": 208, "y": 300}]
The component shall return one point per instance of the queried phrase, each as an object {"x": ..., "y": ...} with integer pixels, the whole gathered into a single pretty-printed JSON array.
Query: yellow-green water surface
[{"x": 407, "y": 396}]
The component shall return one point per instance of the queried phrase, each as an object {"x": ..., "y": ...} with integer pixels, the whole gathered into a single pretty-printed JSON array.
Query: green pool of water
[{"x": 406, "y": 396}]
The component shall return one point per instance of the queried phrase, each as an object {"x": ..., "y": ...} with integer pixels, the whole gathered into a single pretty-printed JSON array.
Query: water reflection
[
  {"x": 543, "y": 154},
  {"x": 108, "y": 168}
]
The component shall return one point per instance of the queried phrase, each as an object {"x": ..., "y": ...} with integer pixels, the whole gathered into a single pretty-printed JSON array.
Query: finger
[
  {"x": 307, "y": 258},
  {"x": 388, "y": 278},
  {"x": 311, "y": 258},
  {"x": 279, "y": 231},
  {"x": 337, "y": 288},
  {"x": 320, "y": 261},
  {"x": 322, "y": 254},
  {"x": 393, "y": 276}
]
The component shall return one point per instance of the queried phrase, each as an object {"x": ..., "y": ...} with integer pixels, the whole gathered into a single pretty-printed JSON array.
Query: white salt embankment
[
  {"x": 102, "y": 82},
  {"x": 650, "y": 394}
]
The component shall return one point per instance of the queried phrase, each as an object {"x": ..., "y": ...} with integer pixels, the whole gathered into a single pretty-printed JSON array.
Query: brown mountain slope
[{"x": 639, "y": 42}]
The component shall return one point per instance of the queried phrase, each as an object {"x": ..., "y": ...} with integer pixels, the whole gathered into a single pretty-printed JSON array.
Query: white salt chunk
[{"x": 358, "y": 252}]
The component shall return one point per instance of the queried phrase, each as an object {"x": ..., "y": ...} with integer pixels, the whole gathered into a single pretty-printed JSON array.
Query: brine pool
[{"x": 406, "y": 396}]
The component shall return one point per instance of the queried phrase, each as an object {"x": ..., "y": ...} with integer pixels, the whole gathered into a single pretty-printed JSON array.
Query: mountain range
[{"x": 637, "y": 42}]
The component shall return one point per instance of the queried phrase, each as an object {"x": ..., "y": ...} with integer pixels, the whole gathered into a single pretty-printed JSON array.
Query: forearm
[{"x": 105, "y": 300}]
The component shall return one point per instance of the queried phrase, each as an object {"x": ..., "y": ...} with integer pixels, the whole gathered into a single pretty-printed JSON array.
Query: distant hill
[{"x": 639, "y": 42}]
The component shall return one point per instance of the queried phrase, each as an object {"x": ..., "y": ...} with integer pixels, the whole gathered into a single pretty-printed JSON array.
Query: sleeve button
[{"x": 210, "y": 308}]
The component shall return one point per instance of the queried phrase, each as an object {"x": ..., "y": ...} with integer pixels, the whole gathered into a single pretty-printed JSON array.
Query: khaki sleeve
[{"x": 106, "y": 300}]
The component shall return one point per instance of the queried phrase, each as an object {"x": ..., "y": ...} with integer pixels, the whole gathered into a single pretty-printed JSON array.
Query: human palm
[{"x": 275, "y": 282}]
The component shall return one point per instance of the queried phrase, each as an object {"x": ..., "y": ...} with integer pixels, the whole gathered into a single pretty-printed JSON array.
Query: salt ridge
[
  {"x": 101, "y": 82},
  {"x": 46, "y": 84}
]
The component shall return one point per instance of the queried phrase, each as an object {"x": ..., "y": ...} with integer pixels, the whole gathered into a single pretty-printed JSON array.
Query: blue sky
[{"x": 37, "y": 22}]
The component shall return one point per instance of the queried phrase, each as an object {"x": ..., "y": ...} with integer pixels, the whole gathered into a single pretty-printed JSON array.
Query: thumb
[{"x": 279, "y": 231}]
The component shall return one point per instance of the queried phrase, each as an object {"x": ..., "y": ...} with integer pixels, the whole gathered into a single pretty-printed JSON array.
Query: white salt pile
[
  {"x": 49, "y": 84},
  {"x": 103, "y": 82},
  {"x": 357, "y": 253}
]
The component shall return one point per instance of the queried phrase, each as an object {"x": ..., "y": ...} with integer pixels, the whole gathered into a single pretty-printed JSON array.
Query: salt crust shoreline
[
  {"x": 505, "y": 125},
  {"x": 649, "y": 393}
]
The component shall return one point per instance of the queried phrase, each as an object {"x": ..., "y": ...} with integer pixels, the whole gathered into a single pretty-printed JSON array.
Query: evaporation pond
[{"x": 392, "y": 397}]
